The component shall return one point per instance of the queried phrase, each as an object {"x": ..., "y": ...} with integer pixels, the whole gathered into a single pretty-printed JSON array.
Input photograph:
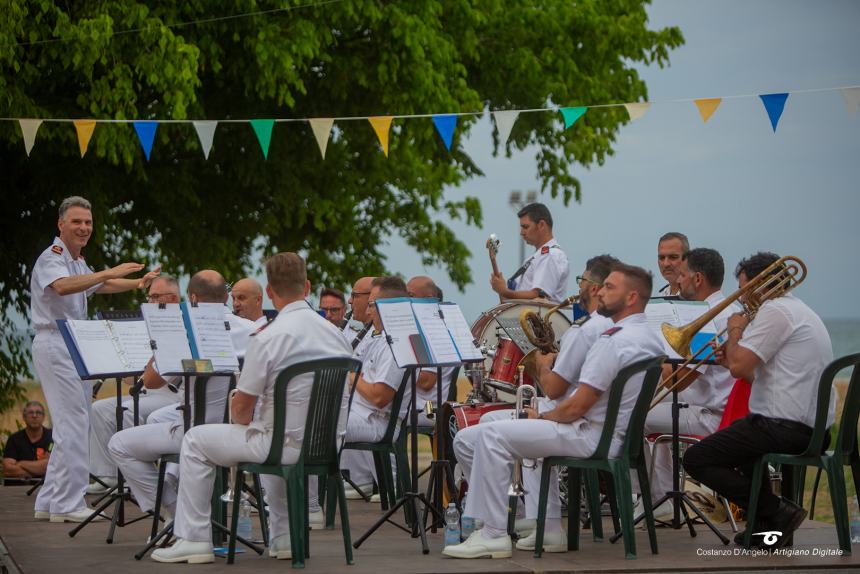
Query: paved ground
[{"x": 41, "y": 547}]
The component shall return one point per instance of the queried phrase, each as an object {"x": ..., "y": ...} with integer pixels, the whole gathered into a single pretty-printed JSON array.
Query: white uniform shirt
[
  {"x": 711, "y": 389},
  {"x": 548, "y": 271},
  {"x": 614, "y": 350},
  {"x": 297, "y": 334},
  {"x": 794, "y": 348},
  {"x": 574, "y": 346},
  {"x": 379, "y": 367},
  {"x": 261, "y": 322},
  {"x": 46, "y": 306}
]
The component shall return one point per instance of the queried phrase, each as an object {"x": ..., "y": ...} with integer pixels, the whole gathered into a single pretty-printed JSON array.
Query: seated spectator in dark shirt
[{"x": 27, "y": 451}]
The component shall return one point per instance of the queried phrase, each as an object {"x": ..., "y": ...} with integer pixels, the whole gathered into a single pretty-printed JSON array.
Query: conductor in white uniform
[
  {"x": 544, "y": 274},
  {"x": 297, "y": 334},
  {"x": 59, "y": 288},
  {"x": 574, "y": 427}
]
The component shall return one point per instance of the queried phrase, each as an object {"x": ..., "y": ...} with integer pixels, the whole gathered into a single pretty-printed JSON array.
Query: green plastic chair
[
  {"x": 319, "y": 455},
  {"x": 831, "y": 462},
  {"x": 631, "y": 456}
]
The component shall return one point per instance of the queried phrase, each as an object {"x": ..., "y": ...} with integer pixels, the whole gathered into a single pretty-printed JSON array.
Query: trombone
[
  {"x": 775, "y": 280},
  {"x": 540, "y": 333}
]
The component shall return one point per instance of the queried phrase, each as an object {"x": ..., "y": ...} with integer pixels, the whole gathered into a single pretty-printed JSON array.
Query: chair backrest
[
  {"x": 636, "y": 424},
  {"x": 738, "y": 403},
  {"x": 849, "y": 413},
  {"x": 319, "y": 445},
  {"x": 846, "y": 439},
  {"x": 396, "y": 403}
]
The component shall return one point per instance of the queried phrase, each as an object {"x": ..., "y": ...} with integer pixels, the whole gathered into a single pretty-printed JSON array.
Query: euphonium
[
  {"x": 517, "y": 488},
  {"x": 540, "y": 333},
  {"x": 776, "y": 280}
]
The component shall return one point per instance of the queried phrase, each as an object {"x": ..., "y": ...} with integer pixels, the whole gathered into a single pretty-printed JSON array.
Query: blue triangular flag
[
  {"x": 774, "y": 104},
  {"x": 146, "y": 135},
  {"x": 445, "y": 125}
]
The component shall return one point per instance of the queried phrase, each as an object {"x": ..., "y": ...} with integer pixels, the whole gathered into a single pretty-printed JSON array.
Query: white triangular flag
[
  {"x": 206, "y": 133},
  {"x": 29, "y": 129},
  {"x": 852, "y": 100},
  {"x": 322, "y": 129},
  {"x": 504, "y": 123},
  {"x": 637, "y": 110}
]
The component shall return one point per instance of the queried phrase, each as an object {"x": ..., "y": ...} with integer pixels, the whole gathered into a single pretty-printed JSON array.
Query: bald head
[
  {"x": 358, "y": 298},
  {"x": 423, "y": 286},
  {"x": 248, "y": 299},
  {"x": 207, "y": 286}
]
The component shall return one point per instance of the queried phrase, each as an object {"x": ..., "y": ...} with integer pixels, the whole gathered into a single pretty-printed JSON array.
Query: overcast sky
[{"x": 731, "y": 184}]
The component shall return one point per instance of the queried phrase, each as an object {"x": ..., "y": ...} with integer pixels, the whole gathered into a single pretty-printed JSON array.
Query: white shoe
[
  {"x": 524, "y": 526},
  {"x": 186, "y": 551},
  {"x": 98, "y": 488},
  {"x": 41, "y": 515},
  {"x": 353, "y": 494},
  {"x": 76, "y": 516},
  {"x": 476, "y": 546},
  {"x": 316, "y": 520},
  {"x": 665, "y": 512},
  {"x": 280, "y": 548},
  {"x": 552, "y": 541}
]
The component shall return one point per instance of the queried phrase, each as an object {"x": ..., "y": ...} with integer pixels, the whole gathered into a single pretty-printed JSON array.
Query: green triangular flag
[
  {"x": 263, "y": 129},
  {"x": 570, "y": 115}
]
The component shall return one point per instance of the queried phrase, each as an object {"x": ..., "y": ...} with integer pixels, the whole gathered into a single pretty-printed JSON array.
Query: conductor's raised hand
[
  {"x": 146, "y": 280},
  {"x": 124, "y": 269}
]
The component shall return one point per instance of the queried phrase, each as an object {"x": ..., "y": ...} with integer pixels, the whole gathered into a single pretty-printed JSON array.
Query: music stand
[{"x": 677, "y": 495}]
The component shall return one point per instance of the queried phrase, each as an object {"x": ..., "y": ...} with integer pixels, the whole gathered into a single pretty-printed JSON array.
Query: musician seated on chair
[
  {"x": 27, "y": 451},
  {"x": 422, "y": 286},
  {"x": 297, "y": 334},
  {"x": 558, "y": 375},
  {"x": 247, "y": 295},
  {"x": 670, "y": 252},
  {"x": 545, "y": 273},
  {"x": 782, "y": 352},
  {"x": 706, "y": 389},
  {"x": 357, "y": 335},
  {"x": 572, "y": 428},
  {"x": 333, "y": 304},
  {"x": 135, "y": 450},
  {"x": 375, "y": 389}
]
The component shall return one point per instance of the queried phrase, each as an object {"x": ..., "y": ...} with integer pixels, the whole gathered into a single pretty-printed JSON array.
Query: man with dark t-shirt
[{"x": 27, "y": 451}]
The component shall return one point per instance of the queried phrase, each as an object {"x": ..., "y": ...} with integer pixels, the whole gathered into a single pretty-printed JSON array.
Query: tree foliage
[{"x": 122, "y": 59}]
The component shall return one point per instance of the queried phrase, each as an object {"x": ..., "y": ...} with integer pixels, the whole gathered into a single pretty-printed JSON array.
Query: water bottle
[
  {"x": 855, "y": 522},
  {"x": 467, "y": 525},
  {"x": 452, "y": 525},
  {"x": 243, "y": 529}
]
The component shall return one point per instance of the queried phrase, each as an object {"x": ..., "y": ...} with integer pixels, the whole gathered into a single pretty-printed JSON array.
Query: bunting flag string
[{"x": 444, "y": 123}]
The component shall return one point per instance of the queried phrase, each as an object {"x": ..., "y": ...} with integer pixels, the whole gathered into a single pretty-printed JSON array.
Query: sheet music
[
  {"x": 678, "y": 314},
  {"x": 133, "y": 339},
  {"x": 435, "y": 332},
  {"x": 460, "y": 332},
  {"x": 211, "y": 333},
  {"x": 96, "y": 347},
  {"x": 399, "y": 323},
  {"x": 167, "y": 328}
]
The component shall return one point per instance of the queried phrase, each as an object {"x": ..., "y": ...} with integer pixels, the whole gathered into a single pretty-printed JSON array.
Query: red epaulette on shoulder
[
  {"x": 261, "y": 328},
  {"x": 57, "y": 249},
  {"x": 611, "y": 331},
  {"x": 544, "y": 250}
]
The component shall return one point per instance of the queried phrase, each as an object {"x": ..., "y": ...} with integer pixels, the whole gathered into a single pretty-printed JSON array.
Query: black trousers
[{"x": 724, "y": 460}]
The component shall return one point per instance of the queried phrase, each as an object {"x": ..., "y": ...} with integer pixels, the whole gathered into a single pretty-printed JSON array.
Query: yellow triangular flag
[
  {"x": 637, "y": 110},
  {"x": 381, "y": 125},
  {"x": 707, "y": 107},
  {"x": 322, "y": 129},
  {"x": 85, "y": 132},
  {"x": 29, "y": 129}
]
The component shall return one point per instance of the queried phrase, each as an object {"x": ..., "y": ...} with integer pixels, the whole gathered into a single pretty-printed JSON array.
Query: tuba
[
  {"x": 539, "y": 332},
  {"x": 776, "y": 280}
]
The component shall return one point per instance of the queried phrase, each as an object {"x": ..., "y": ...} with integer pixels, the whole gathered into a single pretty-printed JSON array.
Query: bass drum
[{"x": 487, "y": 332}]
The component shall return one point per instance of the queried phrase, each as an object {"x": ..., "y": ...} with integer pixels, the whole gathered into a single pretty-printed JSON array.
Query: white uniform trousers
[
  {"x": 362, "y": 426},
  {"x": 209, "y": 446},
  {"x": 489, "y": 459},
  {"x": 103, "y": 425},
  {"x": 69, "y": 400},
  {"x": 165, "y": 414},
  {"x": 136, "y": 451},
  {"x": 693, "y": 420}
]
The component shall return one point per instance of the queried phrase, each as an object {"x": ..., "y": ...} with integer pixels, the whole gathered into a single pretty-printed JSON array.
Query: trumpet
[
  {"x": 540, "y": 333},
  {"x": 776, "y": 280},
  {"x": 517, "y": 488}
]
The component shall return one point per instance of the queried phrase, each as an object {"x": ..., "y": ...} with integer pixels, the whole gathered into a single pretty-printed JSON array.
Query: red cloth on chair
[{"x": 737, "y": 405}]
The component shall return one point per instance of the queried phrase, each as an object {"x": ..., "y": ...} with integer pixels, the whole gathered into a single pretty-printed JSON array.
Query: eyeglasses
[
  {"x": 156, "y": 297},
  {"x": 371, "y": 304},
  {"x": 581, "y": 278},
  {"x": 34, "y": 413},
  {"x": 331, "y": 310},
  {"x": 359, "y": 293}
]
